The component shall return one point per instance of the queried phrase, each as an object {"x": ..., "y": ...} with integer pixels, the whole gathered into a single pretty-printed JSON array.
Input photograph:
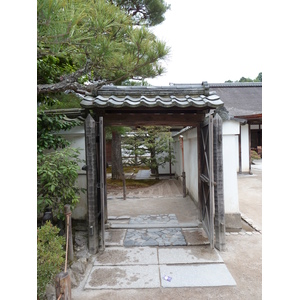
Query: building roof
[
  {"x": 240, "y": 98},
  {"x": 181, "y": 96}
]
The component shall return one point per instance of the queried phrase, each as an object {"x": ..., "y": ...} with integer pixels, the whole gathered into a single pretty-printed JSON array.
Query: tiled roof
[
  {"x": 181, "y": 96},
  {"x": 240, "y": 98}
]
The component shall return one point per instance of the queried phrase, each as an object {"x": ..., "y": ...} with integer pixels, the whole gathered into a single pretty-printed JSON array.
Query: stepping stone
[
  {"x": 123, "y": 277},
  {"x": 201, "y": 275},
  {"x": 114, "y": 237},
  {"x": 188, "y": 255},
  {"x": 127, "y": 256}
]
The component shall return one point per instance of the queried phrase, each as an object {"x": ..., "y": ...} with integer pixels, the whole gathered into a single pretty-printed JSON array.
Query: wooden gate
[
  {"x": 96, "y": 194},
  {"x": 206, "y": 178}
]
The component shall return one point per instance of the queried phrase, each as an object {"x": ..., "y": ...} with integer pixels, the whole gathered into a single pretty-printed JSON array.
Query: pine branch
[{"x": 68, "y": 82}]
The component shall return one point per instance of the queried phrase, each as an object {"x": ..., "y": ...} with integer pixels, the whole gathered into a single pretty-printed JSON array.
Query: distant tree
[
  {"x": 244, "y": 79},
  {"x": 150, "y": 145},
  {"x": 259, "y": 77}
]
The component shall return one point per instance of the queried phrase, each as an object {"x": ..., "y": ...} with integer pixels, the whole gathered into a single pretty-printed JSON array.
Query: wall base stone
[{"x": 233, "y": 221}]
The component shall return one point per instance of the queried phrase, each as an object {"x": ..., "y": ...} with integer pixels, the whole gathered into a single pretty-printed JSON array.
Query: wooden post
[
  {"x": 183, "y": 184},
  {"x": 105, "y": 175},
  {"x": 102, "y": 168},
  {"x": 63, "y": 286},
  {"x": 124, "y": 186},
  {"x": 183, "y": 173},
  {"x": 91, "y": 174},
  {"x": 249, "y": 134},
  {"x": 219, "y": 187},
  {"x": 199, "y": 152},
  {"x": 69, "y": 238}
]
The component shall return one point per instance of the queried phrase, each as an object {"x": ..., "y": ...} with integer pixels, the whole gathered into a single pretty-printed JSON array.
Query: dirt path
[
  {"x": 165, "y": 187},
  {"x": 165, "y": 197}
]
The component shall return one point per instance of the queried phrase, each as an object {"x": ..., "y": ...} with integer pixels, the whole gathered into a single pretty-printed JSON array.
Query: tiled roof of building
[
  {"x": 181, "y": 96},
  {"x": 240, "y": 98}
]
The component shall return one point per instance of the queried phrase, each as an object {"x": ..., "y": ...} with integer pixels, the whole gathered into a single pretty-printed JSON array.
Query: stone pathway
[
  {"x": 156, "y": 267},
  {"x": 155, "y": 236}
]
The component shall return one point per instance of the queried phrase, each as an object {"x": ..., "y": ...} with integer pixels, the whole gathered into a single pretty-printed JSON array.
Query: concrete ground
[{"x": 242, "y": 256}]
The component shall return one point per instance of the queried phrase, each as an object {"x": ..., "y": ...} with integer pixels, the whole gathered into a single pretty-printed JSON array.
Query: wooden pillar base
[{"x": 63, "y": 286}]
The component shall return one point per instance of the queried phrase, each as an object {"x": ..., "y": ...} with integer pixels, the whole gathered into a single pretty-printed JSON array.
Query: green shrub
[
  {"x": 254, "y": 155},
  {"x": 50, "y": 256},
  {"x": 57, "y": 173}
]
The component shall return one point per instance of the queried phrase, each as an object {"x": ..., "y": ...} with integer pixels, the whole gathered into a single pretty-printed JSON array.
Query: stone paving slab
[
  {"x": 127, "y": 256},
  {"x": 123, "y": 277},
  {"x": 114, "y": 237},
  {"x": 154, "y": 237},
  {"x": 202, "y": 275},
  {"x": 159, "y": 235},
  {"x": 169, "y": 219},
  {"x": 188, "y": 255},
  {"x": 194, "y": 236}
]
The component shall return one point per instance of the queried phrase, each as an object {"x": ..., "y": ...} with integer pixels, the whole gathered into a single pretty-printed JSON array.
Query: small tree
[{"x": 150, "y": 145}]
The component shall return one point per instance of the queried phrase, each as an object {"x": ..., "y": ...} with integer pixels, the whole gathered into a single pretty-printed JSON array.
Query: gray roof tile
[{"x": 181, "y": 96}]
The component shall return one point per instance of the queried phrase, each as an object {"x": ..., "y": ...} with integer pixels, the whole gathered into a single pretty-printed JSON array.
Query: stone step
[{"x": 157, "y": 225}]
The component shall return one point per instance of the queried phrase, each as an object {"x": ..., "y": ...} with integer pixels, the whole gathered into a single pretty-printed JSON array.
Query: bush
[
  {"x": 57, "y": 173},
  {"x": 254, "y": 155},
  {"x": 50, "y": 256}
]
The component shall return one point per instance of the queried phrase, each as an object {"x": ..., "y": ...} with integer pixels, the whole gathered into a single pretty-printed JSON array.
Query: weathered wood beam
[{"x": 152, "y": 119}]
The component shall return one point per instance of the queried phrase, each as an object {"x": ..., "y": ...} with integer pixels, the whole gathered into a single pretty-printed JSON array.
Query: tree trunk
[
  {"x": 154, "y": 167},
  {"x": 116, "y": 156}
]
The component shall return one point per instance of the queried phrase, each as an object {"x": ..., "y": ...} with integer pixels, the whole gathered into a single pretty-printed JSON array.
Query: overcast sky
[{"x": 212, "y": 41}]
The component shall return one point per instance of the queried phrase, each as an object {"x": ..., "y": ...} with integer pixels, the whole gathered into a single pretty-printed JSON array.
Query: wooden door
[{"x": 206, "y": 178}]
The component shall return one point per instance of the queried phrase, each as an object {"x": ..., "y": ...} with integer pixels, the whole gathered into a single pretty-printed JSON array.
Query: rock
[
  {"x": 79, "y": 266},
  {"x": 80, "y": 238},
  {"x": 50, "y": 292},
  {"x": 75, "y": 278}
]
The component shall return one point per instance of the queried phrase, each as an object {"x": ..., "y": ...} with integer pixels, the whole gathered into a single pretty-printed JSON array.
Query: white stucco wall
[
  {"x": 178, "y": 157},
  {"x": 230, "y": 166},
  {"x": 77, "y": 139},
  {"x": 191, "y": 162}
]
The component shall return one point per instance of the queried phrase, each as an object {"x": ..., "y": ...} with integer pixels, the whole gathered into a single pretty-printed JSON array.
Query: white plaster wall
[
  {"x": 245, "y": 147},
  {"x": 178, "y": 157},
  {"x": 191, "y": 162},
  {"x": 230, "y": 152},
  {"x": 77, "y": 138}
]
